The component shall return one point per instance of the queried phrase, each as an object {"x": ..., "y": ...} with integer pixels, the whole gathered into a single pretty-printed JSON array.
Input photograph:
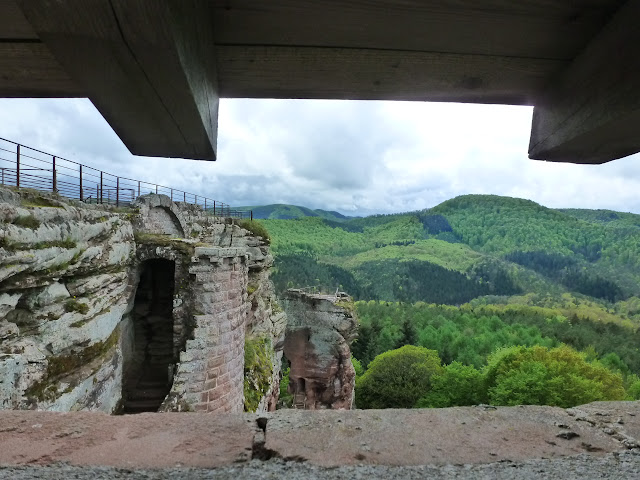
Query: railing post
[
  {"x": 205, "y": 198},
  {"x": 214, "y": 208},
  {"x": 172, "y": 194},
  {"x": 54, "y": 181},
  {"x": 117, "y": 191},
  {"x": 252, "y": 215},
  {"x": 185, "y": 197},
  {"x": 138, "y": 187},
  {"x": 18, "y": 167},
  {"x": 81, "y": 193},
  {"x": 156, "y": 189},
  {"x": 196, "y": 200},
  {"x": 101, "y": 188}
]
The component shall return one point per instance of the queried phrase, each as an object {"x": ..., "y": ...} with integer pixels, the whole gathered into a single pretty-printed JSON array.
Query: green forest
[{"x": 481, "y": 299}]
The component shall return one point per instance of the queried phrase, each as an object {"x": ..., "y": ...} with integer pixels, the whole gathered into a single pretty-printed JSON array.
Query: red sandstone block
[
  {"x": 222, "y": 379},
  {"x": 215, "y": 362},
  {"x": 204, "y": 397},
  {"x": 215, "y": 394},
  {"x": 213, "y": 373},
  {"x": 200, "y": 407},
  {"x": 210, "y": 384}
]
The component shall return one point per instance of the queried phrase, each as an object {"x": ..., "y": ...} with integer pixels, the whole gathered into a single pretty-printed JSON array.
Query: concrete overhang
[{"x": 156, "y": 69}]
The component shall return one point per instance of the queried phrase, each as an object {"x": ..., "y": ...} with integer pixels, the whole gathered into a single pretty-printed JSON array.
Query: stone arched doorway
[{"x": 148, "y": 373}]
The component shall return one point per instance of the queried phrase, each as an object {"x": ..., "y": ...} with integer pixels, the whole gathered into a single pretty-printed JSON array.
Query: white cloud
[{"x": 354, "y": 157}]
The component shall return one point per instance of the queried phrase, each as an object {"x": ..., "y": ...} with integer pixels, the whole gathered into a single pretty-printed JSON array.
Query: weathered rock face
[
  {"x": 319, "y": 331},
  {"x": 100, "y": 308},
  {"x": 64, "y": 290}
]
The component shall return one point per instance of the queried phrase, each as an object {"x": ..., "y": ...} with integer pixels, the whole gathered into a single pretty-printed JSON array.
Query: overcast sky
[{"x": 354, "y": 157}]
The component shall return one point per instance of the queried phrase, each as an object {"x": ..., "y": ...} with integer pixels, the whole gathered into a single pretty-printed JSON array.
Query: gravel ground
[{"x": 624, "y": 465}]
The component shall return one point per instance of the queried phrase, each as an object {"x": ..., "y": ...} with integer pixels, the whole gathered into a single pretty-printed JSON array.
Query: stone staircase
[
  {"x": 151, "y": 381},
  {"x": 299, "y": 400}
]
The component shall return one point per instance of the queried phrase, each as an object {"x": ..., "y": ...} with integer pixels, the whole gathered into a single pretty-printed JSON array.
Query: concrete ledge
[{"x": 469, "y": 435}]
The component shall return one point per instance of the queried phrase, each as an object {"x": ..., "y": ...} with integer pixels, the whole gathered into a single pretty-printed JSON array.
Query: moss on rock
[{"x": 258, "y": 370}]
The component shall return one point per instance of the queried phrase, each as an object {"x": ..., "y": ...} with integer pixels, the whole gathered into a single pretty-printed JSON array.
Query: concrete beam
[
  {"x": 148, "y": 67},
  {"x": 365, "y": 74},
  {"x": 591, "y": 112}
]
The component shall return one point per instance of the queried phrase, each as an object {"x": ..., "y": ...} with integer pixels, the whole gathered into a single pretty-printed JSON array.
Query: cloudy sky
[{"x": 354, "y": 157}]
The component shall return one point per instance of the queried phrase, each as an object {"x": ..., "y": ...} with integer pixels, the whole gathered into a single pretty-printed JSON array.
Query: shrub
[
  {"x": 357, "y": 366},
  {"x": 286, "y": 399},
  {"x": 541, "y": 376},
  {"x": 258, "y": 369},
  {"x": 457, "y": 385},
  {"x": 397, "y": 378}
]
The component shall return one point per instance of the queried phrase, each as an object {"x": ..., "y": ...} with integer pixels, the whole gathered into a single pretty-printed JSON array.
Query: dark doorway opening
[{"x": 149, "y": 374}]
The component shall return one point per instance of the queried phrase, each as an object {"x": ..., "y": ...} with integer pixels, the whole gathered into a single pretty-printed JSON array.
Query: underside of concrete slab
[{"x": 156, "y": 70}]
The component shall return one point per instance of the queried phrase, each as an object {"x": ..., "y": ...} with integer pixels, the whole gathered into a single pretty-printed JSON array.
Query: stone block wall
[{"x": 211, "y": 370}]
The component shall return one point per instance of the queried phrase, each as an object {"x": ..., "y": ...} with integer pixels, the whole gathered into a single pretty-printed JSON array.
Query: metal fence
[{"x": 26, "y": 167}]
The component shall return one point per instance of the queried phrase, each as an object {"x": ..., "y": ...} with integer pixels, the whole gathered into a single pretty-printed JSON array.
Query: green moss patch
[
  {"x": 75, "y": 306},
  {"x": 26, "y": 221},
  {"x": 62, "y": 365}
]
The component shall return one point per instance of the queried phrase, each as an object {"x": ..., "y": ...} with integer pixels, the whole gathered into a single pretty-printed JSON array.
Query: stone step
[
  {"x": 145, "y": 383},
  {"x": 147, "y": 394},
  {"x": 140, "y": 406}
]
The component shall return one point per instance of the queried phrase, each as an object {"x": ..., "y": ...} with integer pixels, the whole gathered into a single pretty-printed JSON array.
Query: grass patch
[
  {"x": 66, "y": 243},
  {"x": 26, "y": 221},
  {"x": 350, "y": 307},
  {"x": 166, "y": 241},
  {"x": 255, "y": 227}
]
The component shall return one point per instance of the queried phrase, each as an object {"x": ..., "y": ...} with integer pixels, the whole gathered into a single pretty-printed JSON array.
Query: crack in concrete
[{"x": 259, "y": 450}]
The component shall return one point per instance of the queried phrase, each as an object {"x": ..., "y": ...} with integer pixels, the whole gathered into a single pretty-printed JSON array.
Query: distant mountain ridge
[
  {"x": 469, "y": 247},
  {"x": 283, "y": 211}
]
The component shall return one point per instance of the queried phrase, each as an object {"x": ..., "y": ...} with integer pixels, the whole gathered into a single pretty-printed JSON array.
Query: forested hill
[
  {"x": 481, "y": 299},
  {"x": 281, "y": 211},
  {"x": 467, "y": 248}
]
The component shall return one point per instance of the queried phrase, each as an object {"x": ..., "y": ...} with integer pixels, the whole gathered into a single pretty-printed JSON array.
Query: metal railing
[{"x": 26, "y": 167}]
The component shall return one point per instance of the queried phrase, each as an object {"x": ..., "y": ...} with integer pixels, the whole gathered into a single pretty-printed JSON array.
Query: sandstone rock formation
[
  {"x": 319, "y": 331},
  {"x": 104, "y": 307}
]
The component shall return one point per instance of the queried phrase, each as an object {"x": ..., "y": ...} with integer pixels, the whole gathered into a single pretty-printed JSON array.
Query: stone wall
[
  {"x": 319, "y": 330},
  {"x": 68, "y": 279}
]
